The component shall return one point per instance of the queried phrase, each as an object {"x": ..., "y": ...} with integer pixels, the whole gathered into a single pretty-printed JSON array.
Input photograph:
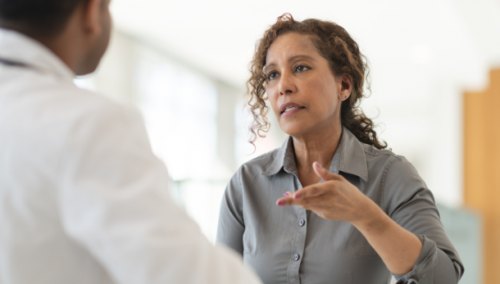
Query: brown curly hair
[{"x": 344, "y": 58}]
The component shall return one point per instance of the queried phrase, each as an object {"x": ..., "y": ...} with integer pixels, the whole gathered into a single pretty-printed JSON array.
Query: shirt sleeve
[
  {"x": 231, "y": 223},
  {"x": 115, "y": 203},
  {"x": 411, "y": 204}
]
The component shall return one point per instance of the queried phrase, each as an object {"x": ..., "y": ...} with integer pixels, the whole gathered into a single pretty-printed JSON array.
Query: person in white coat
[{"x": 82, "y": 197}]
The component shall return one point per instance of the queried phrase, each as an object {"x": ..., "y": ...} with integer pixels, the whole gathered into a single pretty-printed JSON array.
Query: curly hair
[{"x": 344, "y": 58}]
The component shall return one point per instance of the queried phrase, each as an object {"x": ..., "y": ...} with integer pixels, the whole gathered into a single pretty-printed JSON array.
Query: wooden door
[{"x": 482, "y": 168}]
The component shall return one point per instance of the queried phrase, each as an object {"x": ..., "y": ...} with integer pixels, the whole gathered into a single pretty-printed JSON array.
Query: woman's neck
[{"x": 319, "y": 146}]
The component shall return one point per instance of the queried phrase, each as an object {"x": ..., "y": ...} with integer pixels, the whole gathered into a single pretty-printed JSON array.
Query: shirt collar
[
  {"x": 352, "y": 157},
  {"x": 279, "y": 160},
  {"x": 17, "y": 47}
]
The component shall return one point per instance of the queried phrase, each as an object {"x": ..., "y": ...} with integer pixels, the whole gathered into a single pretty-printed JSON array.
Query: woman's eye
[
  {"x": 301, "y": 68},
  {"x": 272, "y": 75}
]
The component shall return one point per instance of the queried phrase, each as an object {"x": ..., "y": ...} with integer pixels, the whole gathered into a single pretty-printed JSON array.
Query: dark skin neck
[{"x": 63, "y": 44}]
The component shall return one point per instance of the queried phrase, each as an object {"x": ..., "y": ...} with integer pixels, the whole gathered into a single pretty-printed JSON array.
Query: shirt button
[
  {"x": 302, "y": 222},
  {"x": 296, "y": 257}
]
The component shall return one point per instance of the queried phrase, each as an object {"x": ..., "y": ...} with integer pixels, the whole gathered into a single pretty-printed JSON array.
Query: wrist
[{"x": 374, "y": 220}]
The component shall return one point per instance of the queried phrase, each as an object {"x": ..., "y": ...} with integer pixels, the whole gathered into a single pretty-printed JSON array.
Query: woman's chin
[{"x": 294, "y": 130}]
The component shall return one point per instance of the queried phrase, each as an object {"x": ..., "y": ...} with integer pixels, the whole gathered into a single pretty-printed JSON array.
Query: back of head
[
  {"x": 37, "y": 18},
  {"x": 77, "y": 31}
]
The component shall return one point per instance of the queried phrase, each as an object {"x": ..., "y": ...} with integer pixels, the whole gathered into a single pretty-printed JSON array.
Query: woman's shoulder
[
  {"x": 375, "y": 152},
  {"x": 395, "y": 176},
  {"x": 260, "y": 164},
  {"x": 389, "y": 164},
  {"x": 394, "y": 169},
  {"x": 253, "y": 171},
  {"x": 377, "y": 156}
]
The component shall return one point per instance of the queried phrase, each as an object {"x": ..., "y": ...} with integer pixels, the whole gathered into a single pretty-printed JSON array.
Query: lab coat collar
[
  {"x": 352, "y": 157},
  {"x": 17, "y": 47}
]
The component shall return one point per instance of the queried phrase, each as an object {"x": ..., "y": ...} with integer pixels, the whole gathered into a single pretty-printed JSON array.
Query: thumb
[{"x": 323, "y": 173}]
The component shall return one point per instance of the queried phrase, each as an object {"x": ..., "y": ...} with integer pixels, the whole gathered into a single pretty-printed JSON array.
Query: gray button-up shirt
[{"x": 292, "y": 245}]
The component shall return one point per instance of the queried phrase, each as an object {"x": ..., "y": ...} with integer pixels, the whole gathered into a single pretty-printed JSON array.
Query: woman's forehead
[
  {"x": 292, "y": 41},
  {"x": 290, "y": 45}
]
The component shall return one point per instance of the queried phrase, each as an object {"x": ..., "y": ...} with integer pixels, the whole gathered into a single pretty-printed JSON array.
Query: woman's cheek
[{"x": 273, "y": 101}]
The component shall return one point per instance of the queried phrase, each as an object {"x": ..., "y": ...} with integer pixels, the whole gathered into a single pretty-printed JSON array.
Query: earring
[{"x": 342, "y": 97}]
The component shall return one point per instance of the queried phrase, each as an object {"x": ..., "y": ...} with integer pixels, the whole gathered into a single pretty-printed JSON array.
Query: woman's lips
[
  {"x": 290, "y": 108},
  {"x": 291, "y": 111}
]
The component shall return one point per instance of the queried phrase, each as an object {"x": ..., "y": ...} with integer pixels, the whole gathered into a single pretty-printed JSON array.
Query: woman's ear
[{"x": 345, "y": 87}]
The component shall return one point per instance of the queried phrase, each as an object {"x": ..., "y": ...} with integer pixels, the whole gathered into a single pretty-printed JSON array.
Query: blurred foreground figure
[{"x": 82, "y": 197}]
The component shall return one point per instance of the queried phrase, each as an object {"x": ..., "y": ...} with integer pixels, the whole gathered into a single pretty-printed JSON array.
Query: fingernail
[
  {"x": 298, "y": 195},
  {"x": 318, "y": 165},
  {"x": 281, "y": 203},
  {"x": 286, "y": 194}
]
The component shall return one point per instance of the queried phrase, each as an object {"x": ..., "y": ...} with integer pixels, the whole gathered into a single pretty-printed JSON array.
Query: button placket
[
  {"x": 299, "y": 242},
  {"x": 296, "y": 257}
]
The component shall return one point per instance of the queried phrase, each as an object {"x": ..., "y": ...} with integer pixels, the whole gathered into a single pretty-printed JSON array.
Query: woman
[{"x": 331, "y": 205}]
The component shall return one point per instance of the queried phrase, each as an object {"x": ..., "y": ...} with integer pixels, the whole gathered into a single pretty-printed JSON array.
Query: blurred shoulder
[
  {"x": 85, "y": 107},
  {"x": 81, "y": 117}
]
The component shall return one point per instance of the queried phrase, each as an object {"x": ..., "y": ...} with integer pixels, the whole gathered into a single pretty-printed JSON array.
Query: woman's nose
[{"x": 286, "y": 84}]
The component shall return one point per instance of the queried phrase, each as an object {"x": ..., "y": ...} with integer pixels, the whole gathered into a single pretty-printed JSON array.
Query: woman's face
[{"x": 304, "y": 94}]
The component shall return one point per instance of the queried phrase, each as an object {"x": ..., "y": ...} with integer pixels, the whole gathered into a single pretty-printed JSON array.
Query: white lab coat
[{"x": 82, "y": 197}]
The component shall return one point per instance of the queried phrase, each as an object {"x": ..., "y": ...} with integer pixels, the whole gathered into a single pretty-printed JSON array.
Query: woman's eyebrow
[
  {"x": 303, "y": 56},
  {"x": 267, "y": 66}
]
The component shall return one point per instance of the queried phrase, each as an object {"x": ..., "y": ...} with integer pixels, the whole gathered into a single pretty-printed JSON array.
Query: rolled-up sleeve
[{"x": 411, "y": 204}]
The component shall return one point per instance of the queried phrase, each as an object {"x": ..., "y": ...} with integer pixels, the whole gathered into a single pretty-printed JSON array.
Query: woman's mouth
[{"x": 290, "y": 108}]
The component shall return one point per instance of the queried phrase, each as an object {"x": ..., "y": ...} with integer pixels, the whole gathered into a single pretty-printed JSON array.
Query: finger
[
  {"x": 323, "y": 173},
  {"x": 311, "y": 191},
  {"x": 290, "y": 201},
  {"x": 310, "y": 203},
  {"x": 286, "y": 201},
  {"x": 308, "y": 191}
]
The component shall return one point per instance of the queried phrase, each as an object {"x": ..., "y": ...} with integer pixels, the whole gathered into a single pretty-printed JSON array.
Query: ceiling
[{"x": 218, "y": 36}]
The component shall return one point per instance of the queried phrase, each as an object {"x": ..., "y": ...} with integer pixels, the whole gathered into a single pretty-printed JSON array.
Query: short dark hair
[{"x": 37, "y": 17}]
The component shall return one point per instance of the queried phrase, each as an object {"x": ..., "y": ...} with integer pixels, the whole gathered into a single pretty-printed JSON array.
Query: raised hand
[
  {"x": 334, "y": 199},
  {"x": 337, "y": 199}
]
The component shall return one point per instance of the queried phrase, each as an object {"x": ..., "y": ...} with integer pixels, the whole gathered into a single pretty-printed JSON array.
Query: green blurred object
[{"x": 464, "y": 230}]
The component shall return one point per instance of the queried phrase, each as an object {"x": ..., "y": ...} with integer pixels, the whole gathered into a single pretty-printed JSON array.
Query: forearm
[
  {"x": 406, "y": 241},
  {"x": 398, "y": 248}
]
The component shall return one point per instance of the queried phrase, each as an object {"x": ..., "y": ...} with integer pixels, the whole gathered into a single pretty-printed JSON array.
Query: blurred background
[{"x": 435, "y": 95}]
